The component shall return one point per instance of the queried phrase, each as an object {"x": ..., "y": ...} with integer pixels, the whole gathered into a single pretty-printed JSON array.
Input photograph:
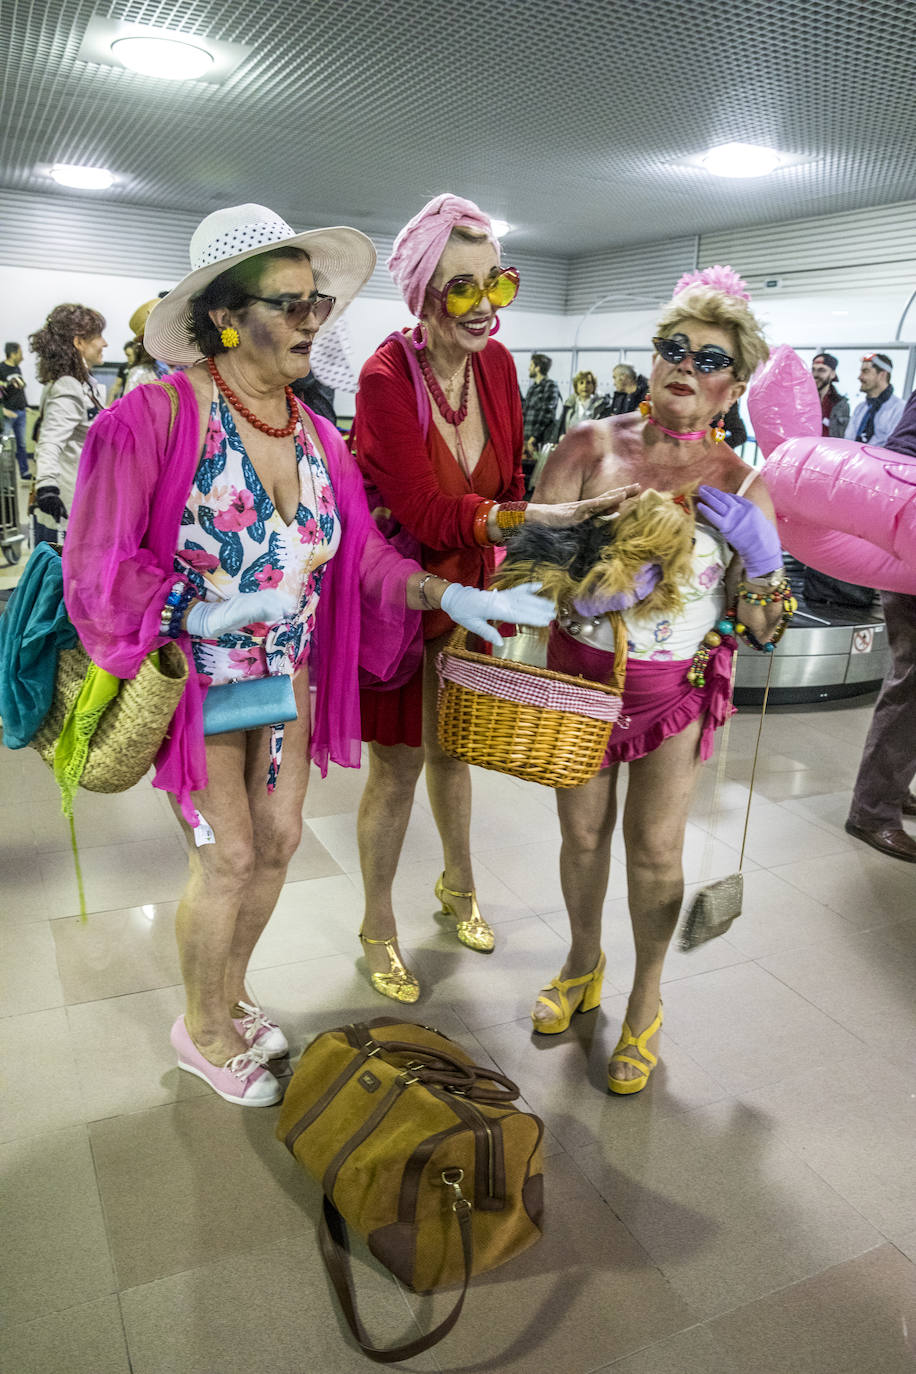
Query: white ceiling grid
[{"x": 571, "y": 118}]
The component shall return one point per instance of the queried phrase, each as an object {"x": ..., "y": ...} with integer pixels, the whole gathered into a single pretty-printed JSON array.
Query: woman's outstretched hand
[
  {"x": 574, "y": 512},
  {"x": 210, "y": 619},
  {"x": 473, "y": 608}
]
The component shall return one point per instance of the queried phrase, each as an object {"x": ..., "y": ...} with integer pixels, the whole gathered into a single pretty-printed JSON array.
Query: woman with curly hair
[
  {"x": 677, "y": 690},
  {"x": 583, "y": 403},
  {"x": 68, "y": 346}
]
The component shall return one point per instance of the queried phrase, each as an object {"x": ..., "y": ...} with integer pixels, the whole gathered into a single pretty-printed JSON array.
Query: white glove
[
  {"x": 210, "y": 619},
  {"x": 472, "y": 608}
]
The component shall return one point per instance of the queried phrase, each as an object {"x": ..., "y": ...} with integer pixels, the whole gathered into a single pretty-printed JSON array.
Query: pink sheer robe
[{"x": 133, "y": 482}]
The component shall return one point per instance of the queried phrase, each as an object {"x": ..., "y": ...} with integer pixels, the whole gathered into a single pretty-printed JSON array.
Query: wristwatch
[{"x": 770, "y": 579}]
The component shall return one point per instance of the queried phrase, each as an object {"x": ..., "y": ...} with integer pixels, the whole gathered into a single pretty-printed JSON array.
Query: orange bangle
[{"x": 481, "y": 535}]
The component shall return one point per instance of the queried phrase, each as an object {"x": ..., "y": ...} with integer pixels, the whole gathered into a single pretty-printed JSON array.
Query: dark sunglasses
[
  {"x": 295, "y": 312},
  {"x": 704, "y": 359},
  {"x": 461, "y": 296}
]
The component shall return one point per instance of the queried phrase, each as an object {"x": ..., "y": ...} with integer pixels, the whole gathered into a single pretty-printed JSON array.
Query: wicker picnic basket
[{"x": 539, "y": 725}]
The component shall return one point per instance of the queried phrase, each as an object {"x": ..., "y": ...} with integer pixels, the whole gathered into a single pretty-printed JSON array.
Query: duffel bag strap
[{"x": 335, "y": 1251}]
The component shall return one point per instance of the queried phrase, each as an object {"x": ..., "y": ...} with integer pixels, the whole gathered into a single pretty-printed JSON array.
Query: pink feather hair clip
[{"x": 720, "y": 278}]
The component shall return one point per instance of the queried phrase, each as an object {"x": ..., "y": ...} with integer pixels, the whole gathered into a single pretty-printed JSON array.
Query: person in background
[
  {"x": 630, "y": 388},
  {"x": 15, "y": 405},
  {"x": 539, "y": 407},
  {"x": 68, "y": 345},
  {"x": 583, "y": 404},
  {"x": 213, "y": 510},
  {"x": 834, "y": 407},
  {"x": 882, "y": 797},
  {"x": 678, "y": 680},
  {"x": 438, "y": 434},
  {"x": 875, "y": 418},
  {"x": 316, "y": 395}
]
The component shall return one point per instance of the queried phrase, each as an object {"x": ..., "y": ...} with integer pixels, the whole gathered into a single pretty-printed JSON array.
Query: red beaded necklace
[
  {"x": 249, "y": 415},
  {"x": 451, "y": 417}
]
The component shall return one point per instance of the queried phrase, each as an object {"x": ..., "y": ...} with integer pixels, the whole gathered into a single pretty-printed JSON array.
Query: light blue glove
[
  {"x": 472, "y": 608},
  {"x": 754, "y": 538},
  {"x": 210, "y": 619}
]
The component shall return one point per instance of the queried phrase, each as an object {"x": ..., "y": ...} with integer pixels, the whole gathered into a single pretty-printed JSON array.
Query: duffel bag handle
[
  {"x": 335, "y": 1251},
  {"x": 468, "y": 1079},
  {"x": 437, "y": 1066}
]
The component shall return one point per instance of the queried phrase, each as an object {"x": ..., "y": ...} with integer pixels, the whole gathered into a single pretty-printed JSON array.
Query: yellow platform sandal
[
  {"x": 627, "y": 1038},
  {"x": 397, "y": 982},
  {"x": 474, "y": 932},
  {"x": 591, "y": 996}
]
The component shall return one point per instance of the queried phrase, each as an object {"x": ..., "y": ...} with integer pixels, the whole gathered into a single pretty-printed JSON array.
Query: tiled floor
[{"x": 753, "y": 1212}]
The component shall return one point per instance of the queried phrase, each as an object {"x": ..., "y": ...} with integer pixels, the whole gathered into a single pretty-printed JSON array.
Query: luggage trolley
[{"x": 11, "y": 536}]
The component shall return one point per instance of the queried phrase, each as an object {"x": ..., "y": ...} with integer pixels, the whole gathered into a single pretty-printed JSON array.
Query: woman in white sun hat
[{"x": 215, "y": 510}]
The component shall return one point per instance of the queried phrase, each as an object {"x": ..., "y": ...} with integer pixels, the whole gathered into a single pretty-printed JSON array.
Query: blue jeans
[{"x": 16, "y": 427}]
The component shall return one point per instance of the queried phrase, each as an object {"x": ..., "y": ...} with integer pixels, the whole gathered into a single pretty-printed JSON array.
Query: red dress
[{"x": 428, "y": 493}]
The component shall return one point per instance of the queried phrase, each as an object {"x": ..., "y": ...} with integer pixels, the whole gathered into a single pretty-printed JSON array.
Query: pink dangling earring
[
  {"x": 718, "y": 431},
  {"x": 494, "y": 328},
  {"x": 645, "y": 407},
  {"x": 419, "y": 336}
]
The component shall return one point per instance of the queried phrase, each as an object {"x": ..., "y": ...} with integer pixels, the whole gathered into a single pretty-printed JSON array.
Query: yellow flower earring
[{"x": 229, "y": 337}]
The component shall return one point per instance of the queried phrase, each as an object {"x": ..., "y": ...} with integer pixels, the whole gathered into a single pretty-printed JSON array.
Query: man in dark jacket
[
  {"x": 12, "y": 398},
  {"x": 882, "y": 795},
  {"x": 834, "y": 407}
]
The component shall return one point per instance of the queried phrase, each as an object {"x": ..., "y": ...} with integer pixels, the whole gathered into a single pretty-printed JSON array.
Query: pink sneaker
[
  {"x": 260, "y": 1033},
  {"x": 243, "y": 1079}
]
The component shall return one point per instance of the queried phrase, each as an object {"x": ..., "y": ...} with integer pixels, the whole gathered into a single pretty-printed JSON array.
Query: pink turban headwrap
[{"x": 420, "y": 244}]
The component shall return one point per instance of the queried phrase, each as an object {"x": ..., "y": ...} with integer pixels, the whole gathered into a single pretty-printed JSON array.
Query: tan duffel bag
[{"x": 419, "y": 1150}]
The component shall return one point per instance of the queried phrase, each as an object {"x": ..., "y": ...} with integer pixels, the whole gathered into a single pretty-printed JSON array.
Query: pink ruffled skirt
[{"x": 657, "y": 697}]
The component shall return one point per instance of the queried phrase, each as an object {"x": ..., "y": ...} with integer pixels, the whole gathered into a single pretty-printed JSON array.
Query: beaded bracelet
[
  {"x": 177, "y": 602},
  {"x": 781, "y": 592},
  {"x": 481, "y": 534},
  {"x": 511, "y": 514}
]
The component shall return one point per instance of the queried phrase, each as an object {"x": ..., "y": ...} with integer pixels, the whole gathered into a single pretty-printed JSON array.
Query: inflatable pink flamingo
[{"x": 845, "y": 508}]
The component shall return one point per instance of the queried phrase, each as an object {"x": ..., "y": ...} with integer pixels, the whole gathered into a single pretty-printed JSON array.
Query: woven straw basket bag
[
  {"x": 132, "y": 726},
  {"x": 539, "y": 725}
]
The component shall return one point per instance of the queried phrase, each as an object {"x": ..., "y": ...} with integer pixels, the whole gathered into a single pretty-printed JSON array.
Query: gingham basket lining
[{"x": 529, "y": 690}]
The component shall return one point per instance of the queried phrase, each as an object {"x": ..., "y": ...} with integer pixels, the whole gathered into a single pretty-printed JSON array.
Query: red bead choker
[
  {"x": 673, "y": 433},
  {"x": 249, "y": 415},
  {"x": 450, "y": 416}
]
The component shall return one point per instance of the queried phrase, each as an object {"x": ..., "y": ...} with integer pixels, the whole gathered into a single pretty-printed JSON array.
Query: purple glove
[
  {"x": 646, "y": 580},
  {"x": 753, "y": 537}
]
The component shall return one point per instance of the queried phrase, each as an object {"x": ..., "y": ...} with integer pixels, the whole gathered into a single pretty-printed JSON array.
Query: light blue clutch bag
[{"x": 249, "y": 703}]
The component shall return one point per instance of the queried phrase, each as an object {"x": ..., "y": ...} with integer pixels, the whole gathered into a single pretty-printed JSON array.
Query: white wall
[{"x": 817, "y": 320}]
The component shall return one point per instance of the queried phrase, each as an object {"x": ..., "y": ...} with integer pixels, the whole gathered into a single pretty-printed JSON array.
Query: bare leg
[
  {"x": 448, "y": 782},
  {"x": 654, "y": 820},
  {"x": 231, "y": 890},
  {"x": 276, "y": 819},
  {"x": 384, "y": 813},
  {"x": 587, "y": 816}
]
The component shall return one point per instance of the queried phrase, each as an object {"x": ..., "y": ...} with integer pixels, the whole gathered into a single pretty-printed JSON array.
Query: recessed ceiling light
[
  {"x": 500, "y": 227},
  {"x": 740, "y": 160},
  {"x": 82, "y": 178},
  {"x": 172, "y": 59}
]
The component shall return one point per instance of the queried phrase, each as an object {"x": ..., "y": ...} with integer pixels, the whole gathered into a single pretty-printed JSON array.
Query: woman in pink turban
[{"x": 438, "y": 434}]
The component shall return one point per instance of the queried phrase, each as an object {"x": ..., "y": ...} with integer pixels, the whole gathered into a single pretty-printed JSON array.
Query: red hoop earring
[
  {"x": 494, "y": 328},
  {"x": 419, "y": 336}
]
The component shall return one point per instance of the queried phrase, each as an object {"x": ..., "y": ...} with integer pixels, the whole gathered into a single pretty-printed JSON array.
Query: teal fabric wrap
[{"x": 33, "y": 629}]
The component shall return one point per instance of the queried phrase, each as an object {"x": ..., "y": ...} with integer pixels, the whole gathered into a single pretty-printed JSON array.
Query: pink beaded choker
[{"x": 673, "y": 433}]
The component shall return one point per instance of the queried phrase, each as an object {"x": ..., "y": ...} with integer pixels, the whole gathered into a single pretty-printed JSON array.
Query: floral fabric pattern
[
  {"x": 662, "y": 639},
  {"x": 233, "y": 539}
]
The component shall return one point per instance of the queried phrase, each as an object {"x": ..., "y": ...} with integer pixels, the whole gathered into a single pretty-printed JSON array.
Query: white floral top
[{"x": 233, "y": 539}]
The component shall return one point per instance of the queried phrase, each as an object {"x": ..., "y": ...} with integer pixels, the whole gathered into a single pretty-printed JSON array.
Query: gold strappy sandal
[
  {"x": 474, "y": 932},
  {"x": 398, "y": 982}
]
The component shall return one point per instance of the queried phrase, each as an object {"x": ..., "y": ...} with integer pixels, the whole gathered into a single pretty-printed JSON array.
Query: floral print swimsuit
[{"x": 233, "y": 539}]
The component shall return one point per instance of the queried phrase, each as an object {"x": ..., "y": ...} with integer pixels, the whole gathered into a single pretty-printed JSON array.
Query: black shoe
[{"x": 890, "y": 840}]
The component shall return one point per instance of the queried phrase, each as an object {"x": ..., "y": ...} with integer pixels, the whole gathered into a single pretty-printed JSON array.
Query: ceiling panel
[{"x": 572, "y": 119}]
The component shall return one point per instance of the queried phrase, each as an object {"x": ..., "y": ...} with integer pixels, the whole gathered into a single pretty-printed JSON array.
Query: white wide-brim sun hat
[{"x": 342, "y": 261}]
